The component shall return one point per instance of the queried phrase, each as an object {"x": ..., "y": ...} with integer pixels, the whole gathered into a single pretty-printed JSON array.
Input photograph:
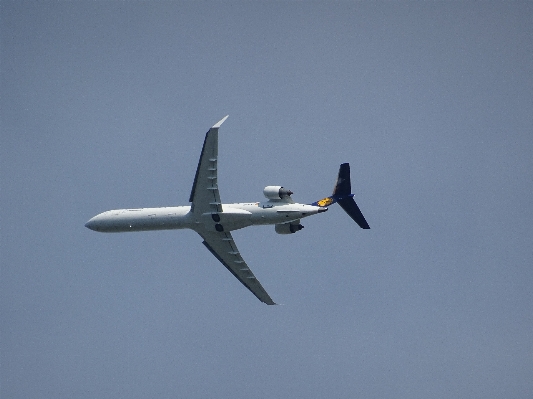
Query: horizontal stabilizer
[{"x": 351, "y": 208}]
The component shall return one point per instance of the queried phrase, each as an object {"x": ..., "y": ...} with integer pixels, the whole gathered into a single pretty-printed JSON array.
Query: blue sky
[{"x": 105, "y": 104}]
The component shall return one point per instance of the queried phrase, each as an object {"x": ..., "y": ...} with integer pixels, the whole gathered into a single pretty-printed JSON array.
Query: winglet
[{"x": 220, "y": 122}]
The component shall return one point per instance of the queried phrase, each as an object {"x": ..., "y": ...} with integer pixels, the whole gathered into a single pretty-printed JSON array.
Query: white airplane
[{"x": 214, "y": 221}]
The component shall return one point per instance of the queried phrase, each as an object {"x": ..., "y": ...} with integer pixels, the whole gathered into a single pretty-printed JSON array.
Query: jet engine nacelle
[
  {"x": 276, "y": 192},
  {"x": 288, "y": 228}
]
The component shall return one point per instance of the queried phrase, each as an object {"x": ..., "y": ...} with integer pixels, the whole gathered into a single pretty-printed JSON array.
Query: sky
[{"x": 104, "y": 105}]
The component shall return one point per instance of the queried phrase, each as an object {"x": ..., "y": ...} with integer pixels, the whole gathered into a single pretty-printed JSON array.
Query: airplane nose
[
  {"x": 91, "y": 225},
  {"x": 322, "y": 210}
]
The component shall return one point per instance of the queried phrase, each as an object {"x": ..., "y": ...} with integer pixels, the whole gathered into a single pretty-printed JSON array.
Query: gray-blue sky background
[{"x": 105, "y": 104}]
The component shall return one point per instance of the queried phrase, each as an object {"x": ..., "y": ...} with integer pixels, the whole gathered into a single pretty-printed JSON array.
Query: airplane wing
[
  {"x": 223, "y": 247},
  {"x": 206, "y": 199},
  {"x": 204, "y": 194}
]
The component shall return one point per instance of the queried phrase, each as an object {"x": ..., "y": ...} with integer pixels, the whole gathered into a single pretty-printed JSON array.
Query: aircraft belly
[
  {"x": 228, "y": 220},
  {"x": 271, "y": 216}
]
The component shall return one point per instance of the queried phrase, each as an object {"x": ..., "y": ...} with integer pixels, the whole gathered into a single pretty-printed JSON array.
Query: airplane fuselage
[{"x": 232, "y": 217}]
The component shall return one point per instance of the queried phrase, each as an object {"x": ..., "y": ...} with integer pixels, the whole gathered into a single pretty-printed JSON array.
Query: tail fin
[
  {"x": 343, "y": 185},
  {"x": 342, "y": 193}
]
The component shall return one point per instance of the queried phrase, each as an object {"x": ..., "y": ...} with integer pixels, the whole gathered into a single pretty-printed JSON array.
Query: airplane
[{"x": 214, "y": 221}]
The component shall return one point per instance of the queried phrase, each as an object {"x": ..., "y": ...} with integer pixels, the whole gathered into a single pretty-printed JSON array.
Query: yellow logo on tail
[{"x": 325, "y": 202}]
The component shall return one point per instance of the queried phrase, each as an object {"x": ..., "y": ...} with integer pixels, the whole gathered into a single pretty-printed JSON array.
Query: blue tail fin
[
  {"x": 343, "y": 185},
  {"x": 342, "y": 193}
]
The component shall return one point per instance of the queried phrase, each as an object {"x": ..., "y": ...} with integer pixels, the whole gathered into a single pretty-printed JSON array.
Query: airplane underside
[{"x": 214, "y": 221}]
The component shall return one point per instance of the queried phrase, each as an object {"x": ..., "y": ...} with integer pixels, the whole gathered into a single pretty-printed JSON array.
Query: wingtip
[{"x": 220, "y": 122}]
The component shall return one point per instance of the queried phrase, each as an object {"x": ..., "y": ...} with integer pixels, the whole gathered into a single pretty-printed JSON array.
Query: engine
[
  {"x": 288, "y": 228},
  {"x": 276, "y": 192}
]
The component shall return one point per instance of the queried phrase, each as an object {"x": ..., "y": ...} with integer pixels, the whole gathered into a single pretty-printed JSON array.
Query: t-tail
[{"x": 342, "y": 193}]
